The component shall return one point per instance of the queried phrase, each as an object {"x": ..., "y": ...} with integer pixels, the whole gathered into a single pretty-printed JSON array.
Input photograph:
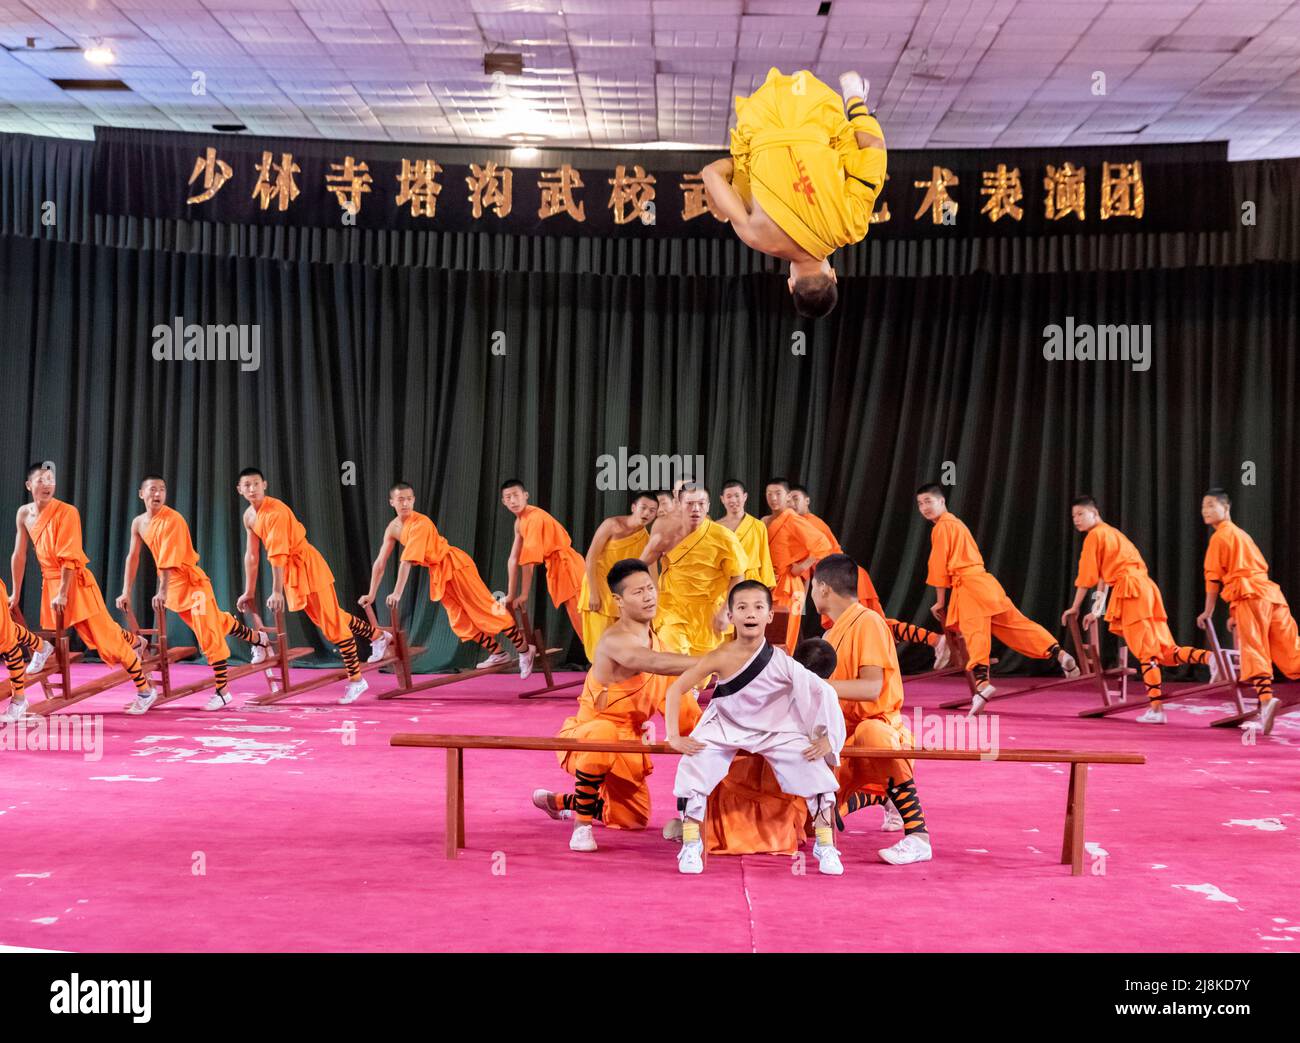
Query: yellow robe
[
  {"x": 693, "y": 581},
  {"x": 596, "y": 623},
  {"x": 797, "y": 155},
  {"x": 752, "y": 535}
]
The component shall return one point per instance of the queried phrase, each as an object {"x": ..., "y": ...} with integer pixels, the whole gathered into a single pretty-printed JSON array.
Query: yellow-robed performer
[{"x": 805, "y": 169}]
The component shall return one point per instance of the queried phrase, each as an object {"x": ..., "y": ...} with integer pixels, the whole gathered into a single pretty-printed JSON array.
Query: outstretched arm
[{"x": 673, "y": 702}]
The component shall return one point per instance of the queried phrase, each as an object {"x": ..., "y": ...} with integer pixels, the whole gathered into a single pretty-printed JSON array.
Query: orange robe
[
  {"x": 308, "y": 581},
  {"x": 189, "y": 591},
  {"x": 1136, "y": 611},
  {"x": 978, "y": 607},
  {"x": 56, "y": 538},
  {"x": 627, "y": 709},
  {"x": 454, "y": 580},
  {"x": 867, "y": 595},
  {"x": 792, "y": 539},
  {"x": 1266, "y": 631},
  {"x": 545, "y": 542},
  {"x": 861, "y": 638}
]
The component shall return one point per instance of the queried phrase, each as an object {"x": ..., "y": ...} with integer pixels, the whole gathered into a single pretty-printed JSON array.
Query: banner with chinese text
[{"x": 381, "y": 185}]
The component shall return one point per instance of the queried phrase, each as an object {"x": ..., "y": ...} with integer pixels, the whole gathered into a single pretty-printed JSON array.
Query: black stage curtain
[{"x": 391, "y": 369}]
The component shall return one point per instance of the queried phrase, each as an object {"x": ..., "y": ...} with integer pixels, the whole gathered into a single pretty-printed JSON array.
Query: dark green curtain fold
[{"x": 390, "y": 369}]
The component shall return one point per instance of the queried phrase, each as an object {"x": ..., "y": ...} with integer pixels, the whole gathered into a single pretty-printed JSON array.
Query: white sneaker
[
  {"x": 828, "y": 860},
  {"x": 673, "y": 830},
  {"x": 1068, "y": 665},
  {"x": 497, "y": 658},
  {"x": 16, "y": 712},
  {"x": 217, "y": 702},
  {"x": 542, "y": 800},
  {"x": 1152, "y": 716},
  {"x": 354, "y": 692},
  {"x": 915, "y": 847},
  {"x": 852, "y": 85},
  {"x": 261, "y": 652},
  {"x": 1215, "y": 673},
  {"x": 142, "y": 702},
  {"x": 379, "y": 646},
  {"x": 38, "y": 658},
  {"x": 690, "y": 859},
  {"x": 980, "y": 699},
  {"x": 526, "y": 662},
  {"x": 1264, "y": 722},
  {"x": 582, "y": 839},
  {"x": 942, "y": 653},
  {"x": 893, "y": 820}
]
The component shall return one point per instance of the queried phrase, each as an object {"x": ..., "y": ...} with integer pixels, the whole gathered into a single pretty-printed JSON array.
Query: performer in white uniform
[{"x": 765, "y": 703}]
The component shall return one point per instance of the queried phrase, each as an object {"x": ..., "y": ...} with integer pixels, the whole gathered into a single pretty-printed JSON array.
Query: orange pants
[
  {"x": 1012, "y": 627},
  {"x": 210, "y": 626},
  {"x": 471, "y": 608},
  {"x": 863, "y": 775},
  {"x": 627, "y": 800},
  {"x": 105, "y": 635},
  {"x": 1152, "y": 639},
  {"x": 331, "y": 618},
  {"x": 1266, "y": 634}
]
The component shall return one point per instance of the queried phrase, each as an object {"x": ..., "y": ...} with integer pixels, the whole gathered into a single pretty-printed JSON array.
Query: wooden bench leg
[
  {"x": 455, "y": 818},
  {"x": 460, "y": 797},
  {"x": 1072, "y": 842}
]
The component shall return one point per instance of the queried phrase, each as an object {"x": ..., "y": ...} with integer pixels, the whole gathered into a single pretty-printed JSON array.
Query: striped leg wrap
[
  {"x": 587, "y": 804},
  {"x": 486, "y": 642},
  {"x": 908, "y": 805},
  {"x": 1263, "y": 685},
  {"x": 1053, "y": 652},
  {"x": 26, "y": 639},
  {"x": 1183, "y": 656},
  {"x": 17, "y": 665},
  {"x": 912, "y": 634},
  {"x": 361, "y": 628},
  {"x": 348, "y": 650},
  {"x": 980, "y": 671},
  {"x": 136, "y": 671},
  {"x": 516, "y": 637},
  {"x": 219, "y": 672},
  {"x": 1151, "y": 678},
  {"x": 245, "y": 633}
]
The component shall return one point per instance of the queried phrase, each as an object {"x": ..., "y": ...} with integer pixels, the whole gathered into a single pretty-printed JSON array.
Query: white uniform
[{"x": 775, "y": 707}]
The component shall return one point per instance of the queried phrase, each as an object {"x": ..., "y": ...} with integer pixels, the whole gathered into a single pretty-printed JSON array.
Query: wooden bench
[{"x": 456, "y": 745}]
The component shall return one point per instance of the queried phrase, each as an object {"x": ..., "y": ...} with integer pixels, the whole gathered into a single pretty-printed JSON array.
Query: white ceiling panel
[{"x": 604, "y": 72}]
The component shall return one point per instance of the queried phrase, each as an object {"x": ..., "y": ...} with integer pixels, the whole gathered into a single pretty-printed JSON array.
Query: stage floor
[{"x": 298, "y": 828}]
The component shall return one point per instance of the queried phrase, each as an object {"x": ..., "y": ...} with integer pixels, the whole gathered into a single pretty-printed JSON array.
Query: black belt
[{"x": 756, "y": 666}]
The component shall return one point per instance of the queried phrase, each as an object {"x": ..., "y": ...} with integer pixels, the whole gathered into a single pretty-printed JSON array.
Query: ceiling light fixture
[{"x": 100, "y": 54}]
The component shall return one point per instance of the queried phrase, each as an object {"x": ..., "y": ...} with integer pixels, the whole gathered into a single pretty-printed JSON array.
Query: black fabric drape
[{"x": 391, "y": 369}]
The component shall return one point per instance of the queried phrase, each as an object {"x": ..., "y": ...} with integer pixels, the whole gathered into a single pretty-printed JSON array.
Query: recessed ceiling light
[
  {"x": 523, "y": 152},
  {"x": 100, "y": 55}
]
